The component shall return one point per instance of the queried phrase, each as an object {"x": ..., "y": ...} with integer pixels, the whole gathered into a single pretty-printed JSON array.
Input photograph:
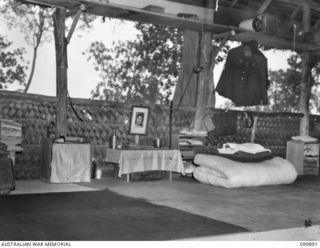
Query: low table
[{"x": 130, "y": 161}]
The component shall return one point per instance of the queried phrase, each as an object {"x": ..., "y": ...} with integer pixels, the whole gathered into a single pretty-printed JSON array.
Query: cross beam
[{"x": 127, "y": 12}]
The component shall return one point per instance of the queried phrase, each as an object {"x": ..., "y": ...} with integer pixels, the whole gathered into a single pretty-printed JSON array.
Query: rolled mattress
[{"x": 220, "y": 171}]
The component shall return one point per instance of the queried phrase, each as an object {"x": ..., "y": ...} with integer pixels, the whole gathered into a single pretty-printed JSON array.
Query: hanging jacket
[{"x": 244, "y": 79}]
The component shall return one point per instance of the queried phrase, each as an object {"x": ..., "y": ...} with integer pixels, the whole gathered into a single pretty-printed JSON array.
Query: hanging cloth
[{"x": 244, "y": 79}]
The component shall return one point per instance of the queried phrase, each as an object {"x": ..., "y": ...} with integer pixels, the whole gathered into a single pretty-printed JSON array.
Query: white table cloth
[
  {"x": 145, "y": 160},
  {"x": 70, "y": 163}
]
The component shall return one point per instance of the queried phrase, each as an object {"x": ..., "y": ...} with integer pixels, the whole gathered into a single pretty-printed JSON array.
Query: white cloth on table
[
  {"x": 70, "y": 163},
  {"x": 145, "y": 160}
]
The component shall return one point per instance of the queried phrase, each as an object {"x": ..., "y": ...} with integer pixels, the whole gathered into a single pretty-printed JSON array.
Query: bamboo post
[{"x": 59, "y": 18}]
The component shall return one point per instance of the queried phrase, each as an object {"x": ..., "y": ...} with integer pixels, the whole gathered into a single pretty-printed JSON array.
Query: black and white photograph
[
  {"x": 189, "y": 121},
  {"x": 139, "y": 120}
]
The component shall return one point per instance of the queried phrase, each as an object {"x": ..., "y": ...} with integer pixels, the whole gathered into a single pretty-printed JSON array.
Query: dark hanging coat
[{"x": 244, "y": 79}]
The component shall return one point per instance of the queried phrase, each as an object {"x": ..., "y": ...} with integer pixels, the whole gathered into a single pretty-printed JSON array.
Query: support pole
[
  {"x": 202, "y": 80},
  {"x": 59, "y": 18},
  {"x": 306, "y": 77},
  {"x": 204, "y": 77},
  {"x": 170, "y": 124}
]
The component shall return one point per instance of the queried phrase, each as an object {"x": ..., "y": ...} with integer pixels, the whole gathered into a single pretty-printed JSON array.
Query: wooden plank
[
  {"x": 203, "y": 81},
  {"x": 59, "y": 17},
  {"x": 73, "y": 26},
  {"x": 316, "y": 25},
  {"x": 234, "y": 2},
  {"x": 295, "y": 12},
  {"x": 310, "y": 3},
  {"x": 170, "y": 8},
  {"x": 134, "y": 14},
  {"x": 264, "y": 6},
  {"x": 184, "y": 94},
  {"x": 305, "y": 90},
  {"x": 232, "y": 17},
  {"x": 276, "y": 42},
  {"x": 198, "y": 3}
]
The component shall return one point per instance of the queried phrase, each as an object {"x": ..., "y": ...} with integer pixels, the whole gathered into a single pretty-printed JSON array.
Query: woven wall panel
[
  {"x": 98, "y": 121},
  {"x": 100, "y": 118},
  {"x": 272, "y": 130},
  {"x": 27, "y": 164}
]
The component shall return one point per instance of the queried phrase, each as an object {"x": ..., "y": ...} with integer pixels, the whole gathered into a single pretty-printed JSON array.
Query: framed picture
[{"x": 139, "y": 120}]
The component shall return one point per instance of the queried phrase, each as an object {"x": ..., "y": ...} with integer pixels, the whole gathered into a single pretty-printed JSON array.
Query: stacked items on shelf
[
  {"x": 11, "y": 134},
  {"x": 189, "y": 140},
  {"x": 192, "y": 137},
  {"x": 303, "y": 153}
]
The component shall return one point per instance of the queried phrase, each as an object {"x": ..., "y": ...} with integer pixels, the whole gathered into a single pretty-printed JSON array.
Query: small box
[{"x": 304, "y": 156}]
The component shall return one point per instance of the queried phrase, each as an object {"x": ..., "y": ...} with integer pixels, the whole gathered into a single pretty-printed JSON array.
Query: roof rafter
[
  {"x": 127, "y": 12},
  {"x": 313, "y": 5},
  {"x": 264, "y": 6}
]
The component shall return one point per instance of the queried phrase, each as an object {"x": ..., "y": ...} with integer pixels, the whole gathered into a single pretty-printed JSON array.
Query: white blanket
[
  {"x": 220, "y": 171},
  {"x": 231, "y": 148}
]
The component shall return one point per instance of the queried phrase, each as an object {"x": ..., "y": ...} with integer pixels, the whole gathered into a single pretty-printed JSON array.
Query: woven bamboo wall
[
  {"x": 35, "y": 112},
  {"x": 272, "y": 129},
  {"x": 99, "y": 118}
]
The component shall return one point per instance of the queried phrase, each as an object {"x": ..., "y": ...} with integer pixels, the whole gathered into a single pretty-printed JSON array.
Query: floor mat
[
  {"x": 99, "y": 215},
  {"x": 40, "y": 187}
]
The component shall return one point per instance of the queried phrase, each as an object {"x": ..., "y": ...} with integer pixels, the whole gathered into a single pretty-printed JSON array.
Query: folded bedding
[
  {"x": 231, "y": 148},
  {"x": 245, "y": 157},
  {"x": 220, "y": 171}
]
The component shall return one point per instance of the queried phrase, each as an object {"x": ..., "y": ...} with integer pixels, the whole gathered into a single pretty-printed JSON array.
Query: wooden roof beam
[
  {"x": 169, "y": 7},
  {"x": 264, "y": 6},
  {"x": 134, "y": 14},
  {"x": 313, "y": 5},
  {"x": 234, "y": 2},
  {"x": 316, "y": 25},
  {"x": 295, "y": 12}
]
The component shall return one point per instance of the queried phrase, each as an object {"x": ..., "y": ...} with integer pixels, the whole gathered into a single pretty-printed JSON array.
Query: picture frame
[{"x": 139, "y": 120}]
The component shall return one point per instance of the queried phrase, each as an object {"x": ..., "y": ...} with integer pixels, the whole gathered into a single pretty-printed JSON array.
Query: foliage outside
[
  {"x": 144, "y": 70},
  {"x": 36, "y": 24},
  {"x": 12, "y": 68}
]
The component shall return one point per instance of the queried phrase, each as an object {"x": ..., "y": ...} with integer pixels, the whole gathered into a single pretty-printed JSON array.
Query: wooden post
[
  {"x": 59, "y": 18},
  {"x": 184, "y": 94},
  {"x": 203, "y": 80},
  {"x": 306, "y": 81}
]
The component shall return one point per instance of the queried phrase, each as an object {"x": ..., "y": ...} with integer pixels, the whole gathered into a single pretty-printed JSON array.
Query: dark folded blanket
[{"x": 245, "y": 157}]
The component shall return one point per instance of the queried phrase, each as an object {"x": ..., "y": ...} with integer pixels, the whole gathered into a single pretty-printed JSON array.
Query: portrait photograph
[{"x": 139, "y": 120}]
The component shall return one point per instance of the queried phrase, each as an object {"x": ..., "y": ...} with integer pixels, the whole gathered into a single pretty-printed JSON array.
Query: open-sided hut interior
[{"x": 279, "y": 24}]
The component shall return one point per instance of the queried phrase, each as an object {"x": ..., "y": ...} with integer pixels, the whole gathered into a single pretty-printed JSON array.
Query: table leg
[
  {"x": 12, "y": 155},
  {"x": 128, "y": 178},
  {"x": 116, "y": 170},
  {"x": 170, "y": 175}
]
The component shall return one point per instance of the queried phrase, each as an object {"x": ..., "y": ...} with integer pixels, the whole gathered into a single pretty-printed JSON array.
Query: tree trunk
[
  {"x": 59, "y": 18},
  {"x": 185, "y": 92},
  {"x": 203, "y": 80}
]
